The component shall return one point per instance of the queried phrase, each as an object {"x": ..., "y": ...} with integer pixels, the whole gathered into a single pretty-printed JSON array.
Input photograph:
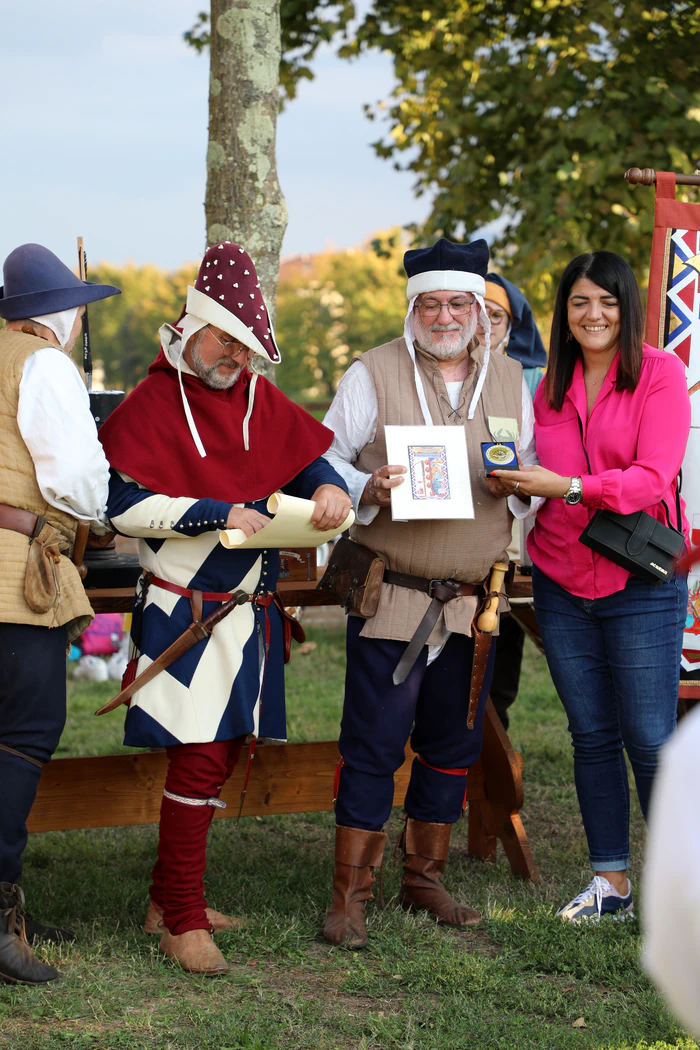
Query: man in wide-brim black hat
[{"x": 53, "y": 474}]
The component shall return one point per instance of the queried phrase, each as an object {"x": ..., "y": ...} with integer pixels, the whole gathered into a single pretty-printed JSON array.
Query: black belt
[{"x": 441, "y": 591}]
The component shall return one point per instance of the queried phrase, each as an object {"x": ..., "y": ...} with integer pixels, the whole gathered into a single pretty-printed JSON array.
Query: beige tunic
[
  {"x": 462, "y": 550},
  {"x": 19, "y": 488}
]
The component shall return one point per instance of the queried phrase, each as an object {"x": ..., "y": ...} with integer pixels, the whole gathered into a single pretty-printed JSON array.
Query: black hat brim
[{"x": 36, "y": 304}]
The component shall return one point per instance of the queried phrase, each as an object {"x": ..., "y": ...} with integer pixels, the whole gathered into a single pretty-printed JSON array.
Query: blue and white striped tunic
[{"x": 215, "y": 690}]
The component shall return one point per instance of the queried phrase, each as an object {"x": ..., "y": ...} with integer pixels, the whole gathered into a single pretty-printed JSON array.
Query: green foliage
[
  {"x": 124, "y": 329},
  {"x": 305, "y": 25},
  {"x": 332, "y": 307},
  {"x": 528, "y": 112}
]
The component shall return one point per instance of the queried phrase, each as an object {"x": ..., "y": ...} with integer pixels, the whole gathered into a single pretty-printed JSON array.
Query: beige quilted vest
[
  {"x": 462, "y": 550},
  {"x": 18, "y": 488}
]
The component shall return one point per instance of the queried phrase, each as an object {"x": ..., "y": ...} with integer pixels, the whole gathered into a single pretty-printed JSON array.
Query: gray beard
[
  {"x": 209, "y": 374},
  {"x": 425, "y": 340}
]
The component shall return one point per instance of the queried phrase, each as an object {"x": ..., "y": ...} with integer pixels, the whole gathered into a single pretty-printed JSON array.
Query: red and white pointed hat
[{"x": 227, "y": 294}]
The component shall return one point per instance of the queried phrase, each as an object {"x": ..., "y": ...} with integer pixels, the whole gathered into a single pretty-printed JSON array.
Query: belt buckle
[{"x": 431, "y": 585}]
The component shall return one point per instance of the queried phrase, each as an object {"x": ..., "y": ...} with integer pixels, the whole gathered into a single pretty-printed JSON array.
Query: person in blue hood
[{"x": 513, "y": 328}]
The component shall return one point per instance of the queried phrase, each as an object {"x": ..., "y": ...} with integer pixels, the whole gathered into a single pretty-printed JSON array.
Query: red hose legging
[{"x": 197, "y": 771}]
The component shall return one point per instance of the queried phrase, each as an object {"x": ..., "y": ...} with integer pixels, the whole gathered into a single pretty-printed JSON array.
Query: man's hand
[
  {"x": 535, "y": 481},
  {"x": 497, "y": 488},
  {"x": 332, "y": 507},
  {"x": 247, "y": 519},
  {"x": 378, "y": 488}
]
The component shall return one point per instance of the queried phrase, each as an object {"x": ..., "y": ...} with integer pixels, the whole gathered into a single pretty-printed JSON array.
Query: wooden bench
[{"x": 121, "y": 790}]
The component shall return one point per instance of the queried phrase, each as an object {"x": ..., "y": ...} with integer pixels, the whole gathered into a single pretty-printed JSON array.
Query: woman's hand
[
  {"x": 332, "y": 507},
  {"x": 535, "y": 481},
  {"x": 247, "y": 519}
]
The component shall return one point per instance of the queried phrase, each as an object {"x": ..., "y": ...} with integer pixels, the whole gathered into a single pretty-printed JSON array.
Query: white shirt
[
  {"x": 56, "y": 424},
  {"x": 353, "y": 419},
  {"x": 671, "y": 889}
]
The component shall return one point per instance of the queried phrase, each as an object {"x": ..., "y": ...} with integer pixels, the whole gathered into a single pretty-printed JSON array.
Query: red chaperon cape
[{"x": 147, "y": 437}]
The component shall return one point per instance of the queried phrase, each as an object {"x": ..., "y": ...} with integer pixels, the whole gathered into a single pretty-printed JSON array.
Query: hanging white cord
[{"x": 408, "y": 336}]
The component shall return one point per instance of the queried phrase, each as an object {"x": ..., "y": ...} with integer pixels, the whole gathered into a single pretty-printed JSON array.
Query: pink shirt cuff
[{"x": 592, "y": 487}]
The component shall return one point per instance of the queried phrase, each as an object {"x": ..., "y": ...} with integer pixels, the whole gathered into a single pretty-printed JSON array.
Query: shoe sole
[{"x": 19, "y": 980}]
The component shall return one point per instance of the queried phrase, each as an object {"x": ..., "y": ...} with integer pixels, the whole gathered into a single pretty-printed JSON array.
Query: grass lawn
[{"x": 522, "y": 980}]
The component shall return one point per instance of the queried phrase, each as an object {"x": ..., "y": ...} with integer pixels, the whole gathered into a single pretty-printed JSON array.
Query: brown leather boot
[
  {"x": 357, "y": 854},
  {"x": 153, "y": 923},
  {"x": 18, "y": 963},
  {"x": 195, "y": 951},
  {"x": 425, "y": 848}
]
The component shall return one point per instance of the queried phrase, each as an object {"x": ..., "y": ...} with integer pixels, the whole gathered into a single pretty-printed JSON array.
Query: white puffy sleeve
[
  {"x": 57, "y": 427},
  {"x": 353, "y": 419}
]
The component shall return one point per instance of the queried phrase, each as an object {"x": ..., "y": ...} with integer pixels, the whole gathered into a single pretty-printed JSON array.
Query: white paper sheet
[
  {"x": 437, "y": 484},
  {"x": 290, "y": 526}
]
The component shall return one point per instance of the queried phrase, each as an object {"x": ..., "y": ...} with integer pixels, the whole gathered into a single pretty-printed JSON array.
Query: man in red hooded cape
[{"x": 197, "y": 447}]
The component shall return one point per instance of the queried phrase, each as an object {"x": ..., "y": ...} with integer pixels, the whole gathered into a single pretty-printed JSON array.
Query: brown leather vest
[{"x": 462, "y": 550}]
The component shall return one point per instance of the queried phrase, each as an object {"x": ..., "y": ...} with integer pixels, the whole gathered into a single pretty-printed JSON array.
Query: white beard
[
  {"x": 437, "y": 349},
  {"x": 209, "y": 374}
]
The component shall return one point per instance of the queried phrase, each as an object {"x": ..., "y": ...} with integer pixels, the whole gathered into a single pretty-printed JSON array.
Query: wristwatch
[{"x": 575, "y": 493}]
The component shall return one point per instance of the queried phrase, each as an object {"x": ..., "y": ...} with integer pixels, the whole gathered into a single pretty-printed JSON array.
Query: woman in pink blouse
[{"x": 612, "y": 641}]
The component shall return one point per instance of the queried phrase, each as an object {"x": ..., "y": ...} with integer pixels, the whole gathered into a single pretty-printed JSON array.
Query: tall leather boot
[
  {"x": 425, "y": 848},
  {"x": 357, "y": 854},
  {"x": 18, "y": 963}
]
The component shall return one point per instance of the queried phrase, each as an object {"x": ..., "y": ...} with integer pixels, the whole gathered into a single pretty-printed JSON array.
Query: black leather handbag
[{"x": 639, "y": 543}]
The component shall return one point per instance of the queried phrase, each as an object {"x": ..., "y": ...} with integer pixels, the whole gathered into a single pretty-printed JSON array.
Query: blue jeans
[{"x": 615, "y": 663}]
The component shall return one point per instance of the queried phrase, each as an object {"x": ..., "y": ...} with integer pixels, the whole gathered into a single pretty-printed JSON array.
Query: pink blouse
[{"x": 635, "y": 443}]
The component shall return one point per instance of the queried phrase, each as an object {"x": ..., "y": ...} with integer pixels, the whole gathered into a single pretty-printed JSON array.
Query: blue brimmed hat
[
  {"x": 36, "y": 282},
  {"x": 448, "y": 267}
]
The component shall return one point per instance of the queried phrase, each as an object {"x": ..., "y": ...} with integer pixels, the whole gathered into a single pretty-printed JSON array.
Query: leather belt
[
  {"x": 185, "y": 592},
  {"x": 16, "y": 520},
  {"x": 441, "y": 591},
  {"x": 431, "y": 587}
]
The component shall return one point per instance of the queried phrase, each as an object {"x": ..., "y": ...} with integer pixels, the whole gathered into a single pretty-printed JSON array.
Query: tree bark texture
[{"x": 244, "y": 200}]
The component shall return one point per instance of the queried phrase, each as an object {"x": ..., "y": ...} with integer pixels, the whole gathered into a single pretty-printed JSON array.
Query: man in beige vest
[
  {"x": 53, "y": 473},
  {"x": 409, "y": 667}
]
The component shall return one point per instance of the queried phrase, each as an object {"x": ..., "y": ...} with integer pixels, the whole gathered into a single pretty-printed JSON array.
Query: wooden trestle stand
[{"x": 120, "y": 790}]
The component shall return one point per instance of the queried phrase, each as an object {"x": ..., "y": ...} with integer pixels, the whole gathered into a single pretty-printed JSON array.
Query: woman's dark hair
[{"x": 613, "y": 274}]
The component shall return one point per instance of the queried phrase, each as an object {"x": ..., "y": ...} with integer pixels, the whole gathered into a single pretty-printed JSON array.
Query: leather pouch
[
  {"x": 353, "y": 577},
  {"x": 41, "y": 589}
]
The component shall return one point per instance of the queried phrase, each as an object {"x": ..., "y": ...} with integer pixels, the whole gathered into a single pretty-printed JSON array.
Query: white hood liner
[{"x": 409, "y": 336}]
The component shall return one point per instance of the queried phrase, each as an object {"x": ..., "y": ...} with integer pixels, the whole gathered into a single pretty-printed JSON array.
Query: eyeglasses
[
  {"x": 496, "y": 316},
  {"x": 433, "y": 307},
  {"x": 231, "y": 342}
]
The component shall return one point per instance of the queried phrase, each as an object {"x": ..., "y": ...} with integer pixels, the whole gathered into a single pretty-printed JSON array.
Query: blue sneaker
[{"x": 598, "y": 899}]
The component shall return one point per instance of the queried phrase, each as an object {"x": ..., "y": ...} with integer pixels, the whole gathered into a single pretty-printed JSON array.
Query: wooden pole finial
[{"x": 647, "y": 177}]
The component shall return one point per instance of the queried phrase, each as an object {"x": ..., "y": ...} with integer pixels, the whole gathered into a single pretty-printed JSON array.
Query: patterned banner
[{"x": 673, "y": 324}]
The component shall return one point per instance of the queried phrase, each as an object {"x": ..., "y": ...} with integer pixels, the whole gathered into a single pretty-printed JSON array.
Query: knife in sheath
[{"x": 196, "y": 632}]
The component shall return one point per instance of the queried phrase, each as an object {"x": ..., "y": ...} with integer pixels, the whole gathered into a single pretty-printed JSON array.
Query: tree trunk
[{"x": 244, "y": 200}]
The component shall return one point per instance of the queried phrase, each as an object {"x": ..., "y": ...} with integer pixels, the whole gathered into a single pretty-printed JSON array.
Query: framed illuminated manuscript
[{"x": 437, "y": 483}]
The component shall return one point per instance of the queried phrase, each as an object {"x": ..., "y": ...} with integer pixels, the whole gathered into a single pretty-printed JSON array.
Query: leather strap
[
  {"x": 20, "y": 754},
  {"x": 420, "y": 583},
  {"x": 413, "y": 649},
  {"x": 441, "y": 591},
  {"x": 185, "y": 592},
  {"x": 16, "y": 520},
  {"x": 482, "y": 647}
]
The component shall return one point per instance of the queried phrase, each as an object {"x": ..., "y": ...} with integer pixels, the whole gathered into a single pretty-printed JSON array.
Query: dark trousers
[
  {"x": 506, "y": 670},
  {"x": 378, "y": 717},
  {"x": 614, "y": 662},
  {"x": 32, "y": 716}
]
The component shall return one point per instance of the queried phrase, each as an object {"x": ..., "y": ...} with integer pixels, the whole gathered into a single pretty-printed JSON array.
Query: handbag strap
[{"x": 679, "y": 481}]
